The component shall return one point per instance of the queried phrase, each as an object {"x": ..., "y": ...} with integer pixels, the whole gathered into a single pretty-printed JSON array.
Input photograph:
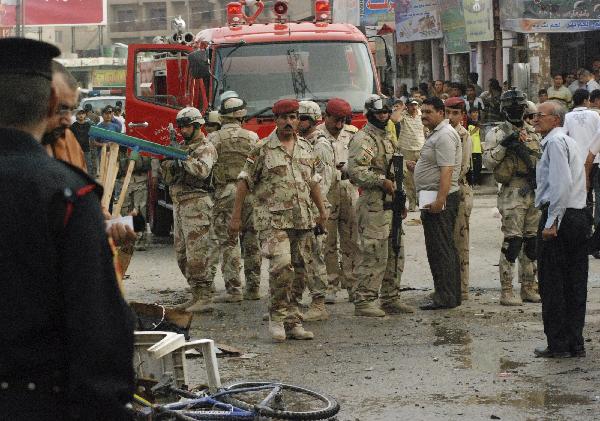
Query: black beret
[{"x": 27, "y": 57}]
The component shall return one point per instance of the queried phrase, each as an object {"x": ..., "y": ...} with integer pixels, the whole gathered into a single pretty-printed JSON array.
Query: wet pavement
[{"x": 471, "y": 363}]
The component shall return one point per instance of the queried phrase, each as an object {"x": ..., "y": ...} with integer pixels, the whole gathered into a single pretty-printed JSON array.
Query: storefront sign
[
  {"x": 549, "y": 16},
  {"x": 376, "y": 12},
  {"x": 453, "y": 24},
  {"x": 109, "y": 77},
  {"x": 55, "y": 12},
  {"x": 479, "y": 20},
  {"x": 417, "y": 20}
]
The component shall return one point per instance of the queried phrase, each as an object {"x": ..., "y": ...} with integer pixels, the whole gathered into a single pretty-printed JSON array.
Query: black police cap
[{"x": 27, "y": 57}]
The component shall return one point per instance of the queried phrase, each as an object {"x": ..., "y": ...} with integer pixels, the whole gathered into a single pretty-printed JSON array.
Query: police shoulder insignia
[{"x": 368, "y": 150}]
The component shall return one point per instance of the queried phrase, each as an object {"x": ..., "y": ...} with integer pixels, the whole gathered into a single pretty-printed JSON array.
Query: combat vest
[
  {"x": 233, "y": 146},
  {"x": 186, "y": 181},
  {"x": 512, "y": 165}
]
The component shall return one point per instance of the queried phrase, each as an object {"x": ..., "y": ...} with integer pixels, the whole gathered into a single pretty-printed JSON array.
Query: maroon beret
[
  {"x": 454, "y": 102},
  {"x": 285, "y": 106},
  {"x": 338, "y": 107}
]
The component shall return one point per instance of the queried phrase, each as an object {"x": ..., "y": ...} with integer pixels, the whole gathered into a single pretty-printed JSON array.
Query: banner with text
[
  {"x": 453, "y": 23},
  {"x": 376, "y": 12},
  {"x": 479, "y": 20},
  {"x": 547, "y": 16},
  {"x": 54, "y": 12},
  {"x": 417, "y": 20}
]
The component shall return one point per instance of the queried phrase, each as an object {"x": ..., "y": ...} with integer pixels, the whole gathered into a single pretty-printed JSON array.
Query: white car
[{"x": 99, "y": 102}]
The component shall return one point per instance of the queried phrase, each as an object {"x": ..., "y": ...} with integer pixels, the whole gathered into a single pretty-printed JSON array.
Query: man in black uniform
[{"x": 67, "y": 337}]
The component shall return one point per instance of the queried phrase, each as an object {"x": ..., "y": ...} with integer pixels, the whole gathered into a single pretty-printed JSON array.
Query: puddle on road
[
  {"x": 539, "y": 399},
  {"x": 451, "y": 336}
]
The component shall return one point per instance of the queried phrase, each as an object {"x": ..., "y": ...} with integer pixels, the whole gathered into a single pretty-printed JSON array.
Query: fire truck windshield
[{"x": 264, "y": 73}]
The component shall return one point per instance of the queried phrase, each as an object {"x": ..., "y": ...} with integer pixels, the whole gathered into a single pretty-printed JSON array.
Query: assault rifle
[
  {"x": 397, "y": 205},
  {"x": 523, "y": 153}
]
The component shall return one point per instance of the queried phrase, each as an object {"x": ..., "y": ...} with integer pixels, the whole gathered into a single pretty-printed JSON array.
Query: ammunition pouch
[{"x": 530, "y": 247}]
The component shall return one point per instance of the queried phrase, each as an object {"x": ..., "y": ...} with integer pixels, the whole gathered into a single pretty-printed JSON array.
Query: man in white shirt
[
  {"x": 582, "y": 124},
  {"x": 562, "y": 245},
  {"x": 586, "y": 81}
]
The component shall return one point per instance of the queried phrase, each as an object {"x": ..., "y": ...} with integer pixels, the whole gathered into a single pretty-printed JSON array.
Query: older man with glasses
[
  {"x": 562, "y": 246},
  {"x": 59, "y": 140}
]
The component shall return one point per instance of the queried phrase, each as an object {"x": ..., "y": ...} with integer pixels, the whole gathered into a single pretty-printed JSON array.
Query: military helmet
[
  {"x": 512, "y": 105},
  {"x": 233, "y": 107},
  {"x": 311, "y": 109},
  {"x": 228, "y": 94},
  {"x": 187, "y": 116},
  {"x": 213, "y": 117},
  {"x": 376, "y": 103}
]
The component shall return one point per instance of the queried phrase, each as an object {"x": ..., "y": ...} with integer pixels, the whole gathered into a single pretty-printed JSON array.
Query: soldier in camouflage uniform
[
  {"x": 309, "y": 113},
  {"x": 341, "y": 247},
  {"x": 508, "y": 147},
  {"x": 455, "y": 111},
  {"x": 191, "y": 190},
  {"x": 137, "y": 194},
  {"x": 282, "y": 174},
  {"x": 233, "y": 145},
  {"x": 370, "y": 153}
]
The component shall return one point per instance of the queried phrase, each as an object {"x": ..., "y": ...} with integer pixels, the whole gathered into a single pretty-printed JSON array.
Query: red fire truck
[{"x": 262, "y": 62}]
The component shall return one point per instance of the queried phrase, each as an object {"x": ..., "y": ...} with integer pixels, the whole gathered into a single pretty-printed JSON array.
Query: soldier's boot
[
  {"x": 141, "y": 243},
  {"x": 330, "y": 295},
  {"x": 316, "y": 311},
  {"x": 396, "y": 307},
  {"x": 203, "y": 302},
  {"x": 506, "y": 295},
  {"x": 529, "y": 294},
  {"x": 251, "y": 293},
  {"x": 277, "y": 331},
  {"x": 368, "y": 309},
  {"x": 187, "y": 303},
  {"x": 228, "y": 297},
  {"x": 296, "y": 331}
]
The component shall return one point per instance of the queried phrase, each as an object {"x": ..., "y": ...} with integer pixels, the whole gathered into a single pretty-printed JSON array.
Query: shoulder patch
[{"x": 368, "y": 150}]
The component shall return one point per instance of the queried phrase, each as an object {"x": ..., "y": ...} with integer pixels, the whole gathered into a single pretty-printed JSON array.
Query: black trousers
[
  {"x": 441, "y": 252},
  {"x": 474, "y": 173},
  {"x": 563, "y": 275}
]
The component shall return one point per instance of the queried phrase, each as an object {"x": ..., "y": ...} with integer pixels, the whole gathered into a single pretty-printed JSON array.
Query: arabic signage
[
  {"x": 417, "y": 20},
  {"x": 376, "y": 12},
  {"x": 453, "y": 23},
  {"x": 109, "y": 77},
  {"x": 479, "y": 20},
  {"x": 55, "y": 12},
  {"x": 549, "y": 16}
]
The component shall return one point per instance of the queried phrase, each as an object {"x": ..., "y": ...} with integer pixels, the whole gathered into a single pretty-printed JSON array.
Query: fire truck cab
[{"x": 262, "y": 62}]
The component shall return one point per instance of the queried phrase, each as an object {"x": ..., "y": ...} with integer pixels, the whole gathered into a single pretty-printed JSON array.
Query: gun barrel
[{"x": 135, "y": 142}]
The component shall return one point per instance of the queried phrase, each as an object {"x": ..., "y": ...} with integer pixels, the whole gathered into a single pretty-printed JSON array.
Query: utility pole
[{"x": 19, "y": 31}]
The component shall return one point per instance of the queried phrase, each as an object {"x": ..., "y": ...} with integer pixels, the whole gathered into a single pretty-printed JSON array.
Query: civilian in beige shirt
[
  {"x": 410, "y": 141},
  {"x": 559, "y": 91}
]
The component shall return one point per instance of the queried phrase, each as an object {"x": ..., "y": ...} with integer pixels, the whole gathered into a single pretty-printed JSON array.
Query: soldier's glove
[{"x": 510, "y": 140}]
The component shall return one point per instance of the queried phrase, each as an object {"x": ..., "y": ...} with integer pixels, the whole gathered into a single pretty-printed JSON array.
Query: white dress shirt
[
  {"x": 582, "y": 124},
  {"x": 560, "y": 176}
]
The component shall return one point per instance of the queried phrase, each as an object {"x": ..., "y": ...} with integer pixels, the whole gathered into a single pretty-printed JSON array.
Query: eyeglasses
[
  {"x": 539, "y": 115},
  {"x": 304, "y": 117},
  {"x": 64, "y": 109}
]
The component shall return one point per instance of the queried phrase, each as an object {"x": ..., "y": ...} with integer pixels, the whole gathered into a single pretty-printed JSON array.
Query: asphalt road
[{"x": 470, "y": 363}]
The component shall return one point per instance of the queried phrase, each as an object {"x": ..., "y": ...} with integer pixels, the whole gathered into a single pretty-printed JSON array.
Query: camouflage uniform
[
  {"x": 137, "y": 193},
  {"x": 316, "y": 274},
  {"x": 341, "y": 226},
  {"x": 283, "y": 217},
  {"x": 465, "y": 205},
  {"x": 519, "y": 216},
  {"x": 190, "y": 188},
  {"x": 370, "y": 152},
  {"x": 233, "y": 145}
]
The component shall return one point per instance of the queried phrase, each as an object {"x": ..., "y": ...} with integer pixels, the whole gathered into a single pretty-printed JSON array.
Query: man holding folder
[{"x": 436, "y": 176}]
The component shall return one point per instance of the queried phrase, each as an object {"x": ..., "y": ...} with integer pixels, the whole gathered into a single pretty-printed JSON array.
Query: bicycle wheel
[{"x": 279, "y": 401}]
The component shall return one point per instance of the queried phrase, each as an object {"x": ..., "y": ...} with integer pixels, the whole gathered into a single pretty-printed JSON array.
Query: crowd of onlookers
[{"x": 482, "y": 106}]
